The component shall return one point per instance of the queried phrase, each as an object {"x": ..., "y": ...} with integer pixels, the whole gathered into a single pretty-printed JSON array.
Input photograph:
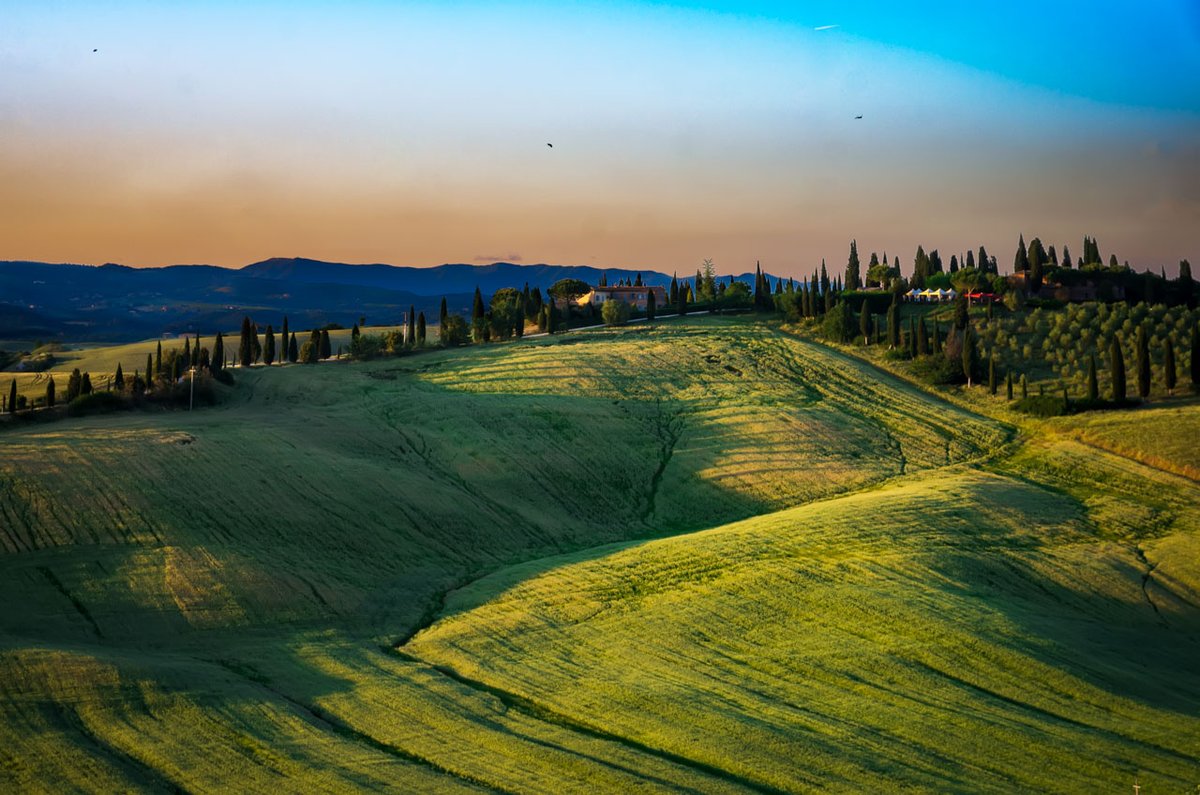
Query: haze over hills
[{"x": 119, "y": 303}]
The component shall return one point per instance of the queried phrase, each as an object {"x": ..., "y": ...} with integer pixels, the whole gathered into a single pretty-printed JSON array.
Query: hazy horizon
[{"x": 417, "y": 135}]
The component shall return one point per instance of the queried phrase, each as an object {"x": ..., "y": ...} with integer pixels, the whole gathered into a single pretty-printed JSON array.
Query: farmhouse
[{"x": 636, "y": 296}]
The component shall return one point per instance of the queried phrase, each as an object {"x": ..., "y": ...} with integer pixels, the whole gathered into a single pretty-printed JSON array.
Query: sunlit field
[{"x": 704, "y": 556}]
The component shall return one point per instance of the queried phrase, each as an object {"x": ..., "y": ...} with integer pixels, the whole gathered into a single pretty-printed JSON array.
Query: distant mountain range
[{"x": 118, "y": 303}]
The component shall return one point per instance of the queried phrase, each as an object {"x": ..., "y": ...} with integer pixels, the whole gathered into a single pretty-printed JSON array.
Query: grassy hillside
[{"x": 216, "y": 597}]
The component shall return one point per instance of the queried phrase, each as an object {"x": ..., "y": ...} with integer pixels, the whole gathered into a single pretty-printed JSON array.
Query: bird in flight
[
  {"x": 550, "y": 145},
  {"x": 859, "y": 116},
  {"x": 95, "y": 50}
]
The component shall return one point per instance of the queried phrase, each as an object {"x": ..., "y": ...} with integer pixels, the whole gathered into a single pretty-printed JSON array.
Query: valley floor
[{"x": 706, "y": 556}]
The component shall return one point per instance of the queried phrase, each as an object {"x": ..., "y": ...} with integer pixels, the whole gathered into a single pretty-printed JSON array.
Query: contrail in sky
[{"x": 826, "y": 27}]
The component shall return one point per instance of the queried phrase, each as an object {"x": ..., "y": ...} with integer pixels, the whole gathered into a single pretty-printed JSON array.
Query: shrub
[
  {"x": 97, "y": 403},
  {"x": 615, "y": 313}
]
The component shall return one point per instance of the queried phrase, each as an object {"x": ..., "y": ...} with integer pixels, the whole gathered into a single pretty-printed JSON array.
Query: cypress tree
[
  {"x": 149, "y": 372},
  {"x": 175, "y": 371},
  {"x": 681, "y": 302},
  {"x": 864, "y": 322},
  {"x": 73, "y": 385},
  {"x": 853, "y": 280},
  {"x": 550, "y": 317},
  {"x": 246, "y": 344},
  {"x": 1194, "y": 362},
  {"x": 893, "y": 325},
  {"x": 85, "y": 384},
  {"x": 354, "y": 332},
  {"x": 421, "y": 330},
  {"x": 119, "y": 379},
  {"x": 922, "y": 338},
  {"x": 218, "y": 354},
  {"x": 1024, "y": 387},
  {"x": 962, "y": 315},
  {"x": 139, "y": 386},
  {"x": 1117, "y": 368},
  {"x": 1093, "y": 388},
  {"x": 651, "y": 306},
  {"x": 12, "y": 397},
  {"x": 187, "y": 353},
  {"x": 1143, "y": 363},
  {"x": 1008, "y": 384},
  {"x": 443, "y": 313},
  {"x": 1037, "y": 261},
  {"x": 969, "y": 355},
  {"x": 913, "y": 350},
  {"x": 673, "y": 294},
  {"x": 50, "y": 392},
  {"x": 256, "y": 344},
  {"x": 1021, "y": 260},
  {"x": 158, "y": 370},
  {"x": 992, "y": 375},
  {"x": 1169, "y": 366},
  {"x": 937, "y": 337},
  {"x": 410, "y": 335},
  {"x": 324, "y": 349},
  {"x": 269, "y": 345},
  {"x": 293, "y": 349},
  {"x": 477, "y": 306},
  {"x": 284, "y": 349}
]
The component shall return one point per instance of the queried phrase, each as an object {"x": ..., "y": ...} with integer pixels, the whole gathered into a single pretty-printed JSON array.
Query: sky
[{"x": 155, "y": 133}]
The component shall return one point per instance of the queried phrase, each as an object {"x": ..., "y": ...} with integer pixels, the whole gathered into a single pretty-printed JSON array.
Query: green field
[{"x": 705, "y": 557}]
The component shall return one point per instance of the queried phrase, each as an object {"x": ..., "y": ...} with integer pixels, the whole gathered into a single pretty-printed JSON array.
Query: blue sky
[{"x": 416, "y": 133}]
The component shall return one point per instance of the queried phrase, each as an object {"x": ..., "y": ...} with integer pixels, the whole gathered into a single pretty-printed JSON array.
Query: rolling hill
[{"x": 706, "y": 556}]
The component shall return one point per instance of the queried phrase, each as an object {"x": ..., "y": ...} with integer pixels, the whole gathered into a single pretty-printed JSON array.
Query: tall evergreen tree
[
  {"x": 218, "y": 353},
  {"x": 1021, "y": 260},
  {"x": 969, "y": 355},
  {"x": 293, "y": 349},
  {"x": 920, "y": 268},
  {"x": 520, "y": 327},
  {"x": 410, "y": 334},
  {"x": 1037, "y": 263},
  {"x": 255, "y": 344},
  {"x": 824, "y": 280},
  {"x": 1143, "y": 363},
  {"x": 1117, "y": 370},
  {"x": 922, "y": 338},
  {"x": 85, "y": 384},
  {"x": 853, "y": 277},
  {"x": 651, "y": 306},
  {"x": 477, "y": 310},
  {"x": 1093, "y": 387},
  {"x": 246, "y": 345},
  {"x": 864, "y": 321},
  {"x": 983, "y": 260},
  {"x": 1169, "y": 366},
  {"x": 1024, "y": 387},
  {"x": 992, "y": 375},
  {"x": 149, "y": 372},
  {"x": 953, "y": 264},
  {"x": 324, "y": 348},
  {"x": 962, "y": 315},
  {"x": 119, "y": 379},
  {"x": 1008, "y": 384},
  {"x": 443, "y": 313},
  {"x": 893, "y": 325},
  {"x": 1187, "y": 285},
  {"x": 284, "y": 338},
  {"x": 12, "y": 397},
  {"x": 269, "y": 345},
  {"x": 187, "y": 353},
  {"x": 354, "y": 332},
  {"x": 937, "y": 337},
  {"x": 1065, "y": 262},
  {"x": 50, "y": 392},
  {"x": 73, "y": 385},
  {"x": 673, "y": 295},
  {"x": 912, "y": 338},
  {"x": 158, "y": 368},
  {"x": 970, "y": 259}
]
